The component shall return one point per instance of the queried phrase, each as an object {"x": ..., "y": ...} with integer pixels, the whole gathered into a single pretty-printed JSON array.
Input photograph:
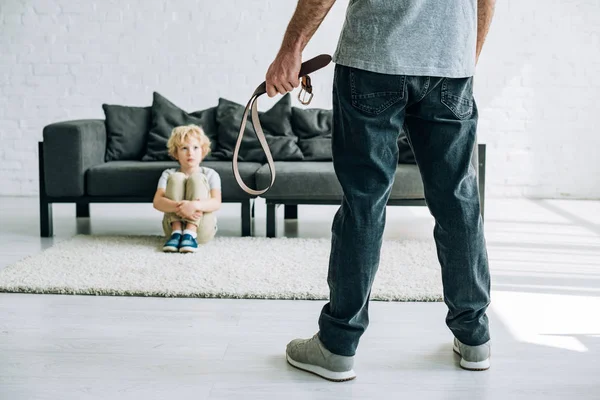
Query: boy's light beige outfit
[{"x": 178, "y": 186}]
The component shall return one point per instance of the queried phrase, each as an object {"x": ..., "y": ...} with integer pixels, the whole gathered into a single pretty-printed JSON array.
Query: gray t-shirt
[
  {"x": 410, "y": 37},
  {"x": 214, "y": 180}
]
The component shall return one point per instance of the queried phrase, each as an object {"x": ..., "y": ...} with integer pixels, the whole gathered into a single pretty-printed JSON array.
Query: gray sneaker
[
  {"x": 473, "y": 358},
  {"x": 310, "y": 355}
]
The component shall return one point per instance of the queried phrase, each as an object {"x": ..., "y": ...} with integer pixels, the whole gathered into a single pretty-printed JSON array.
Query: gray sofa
[
  {"x": 77, "y": 162},
  {"x": 72, "y": 169}
]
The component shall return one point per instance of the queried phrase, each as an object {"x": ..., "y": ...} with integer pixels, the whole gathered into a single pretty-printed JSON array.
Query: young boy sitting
[{"x": 188, "y": 195}]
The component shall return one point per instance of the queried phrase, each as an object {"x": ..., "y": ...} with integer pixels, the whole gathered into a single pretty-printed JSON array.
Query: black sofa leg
[
  {"x": 46, "y": 228},
  {"x": 271, "y": 223},
  {"x": 82, "y": 210},
  {"x": 290, "y": 211},
  {"x": 253, "y": 202},
  {"x": 481, "y": 158},
  {"x": 246, "y": 217}
]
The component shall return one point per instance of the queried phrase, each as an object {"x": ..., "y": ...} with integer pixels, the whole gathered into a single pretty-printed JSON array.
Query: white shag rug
[{"x": 227, "y": 267}]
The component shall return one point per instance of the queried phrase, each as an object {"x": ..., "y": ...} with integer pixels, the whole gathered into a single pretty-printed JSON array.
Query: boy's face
[{"x": 189, "y": 154}]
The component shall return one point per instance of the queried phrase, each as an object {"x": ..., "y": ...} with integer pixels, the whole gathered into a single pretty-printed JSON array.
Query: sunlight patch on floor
[{"x": 552, "y": 320}]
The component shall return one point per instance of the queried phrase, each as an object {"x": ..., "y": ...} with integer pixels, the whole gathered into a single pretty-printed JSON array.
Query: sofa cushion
[
  {"x": 276, "y": 126},
  {"x": 140, "y": 179},
  {"x": 165, "y": 117},
  {"x": 313, "y": 128},
  {"x": 126, "y": 131},
  {"x": 314, "y": 180},
  {"x": 319, "y": 149},
  {"x": 316, "y": 149},
  {"x": 231, "y": 189},
  {"x": 311, "y": 122}
]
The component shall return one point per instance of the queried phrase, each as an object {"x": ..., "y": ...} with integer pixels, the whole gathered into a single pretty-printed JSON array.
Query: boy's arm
[
  {"x": 214, "y": 202},
  {"x": 209, "y": 205},
  {"x": 164, "y": 204}
]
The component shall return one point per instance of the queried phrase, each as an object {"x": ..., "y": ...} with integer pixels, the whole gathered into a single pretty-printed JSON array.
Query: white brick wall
[{"x": 537, "y": 84}]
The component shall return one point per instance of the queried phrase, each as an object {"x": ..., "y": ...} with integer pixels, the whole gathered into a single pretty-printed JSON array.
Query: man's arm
[
  {"x": 485, "y": 12},
  {"x": 282, "y": 76},
  {"x": 304, "y": 23}
]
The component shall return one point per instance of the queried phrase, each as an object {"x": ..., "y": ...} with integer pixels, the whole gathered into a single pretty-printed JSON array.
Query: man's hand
[
  {"x": 186, "y": 209},
  {"x": 282, "y": 76}
]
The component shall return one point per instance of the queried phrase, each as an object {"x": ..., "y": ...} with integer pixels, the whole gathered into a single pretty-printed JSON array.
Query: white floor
[{"x": 545, "y": 319}]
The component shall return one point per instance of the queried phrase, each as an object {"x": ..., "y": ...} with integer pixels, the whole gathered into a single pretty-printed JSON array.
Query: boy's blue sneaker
[
  {"x": 188, "y": 244},
  {"x": 172, "y": 245}
]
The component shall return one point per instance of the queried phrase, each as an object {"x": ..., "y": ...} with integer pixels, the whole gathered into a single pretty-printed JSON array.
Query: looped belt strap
[{"x": 306, "y": 68}]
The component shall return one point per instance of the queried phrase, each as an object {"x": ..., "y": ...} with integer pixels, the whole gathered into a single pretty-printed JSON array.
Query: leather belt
[{"x": 306, "y": 68}]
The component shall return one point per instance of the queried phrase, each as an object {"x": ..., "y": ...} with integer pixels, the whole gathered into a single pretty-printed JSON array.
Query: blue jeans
[{"x": 439, "y": 116}]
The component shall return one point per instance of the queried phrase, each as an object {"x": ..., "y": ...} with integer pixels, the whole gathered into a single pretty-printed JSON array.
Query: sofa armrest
[{"x": 70, "y": 149}]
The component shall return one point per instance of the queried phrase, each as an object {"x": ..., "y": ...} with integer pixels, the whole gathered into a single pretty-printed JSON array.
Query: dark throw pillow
[
  {"x": 313, "y": 128},
  {"x": 126, "y": 131},
  {"x": 276, "y": 126},
  {"x": 165, "y": 117}
]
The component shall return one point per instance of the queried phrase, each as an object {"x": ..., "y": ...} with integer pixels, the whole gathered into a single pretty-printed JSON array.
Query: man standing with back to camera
[{"x": 399, "y": 63}]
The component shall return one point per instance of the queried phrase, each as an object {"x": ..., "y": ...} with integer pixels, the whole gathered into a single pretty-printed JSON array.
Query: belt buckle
[{"x": 306, "y": 89}]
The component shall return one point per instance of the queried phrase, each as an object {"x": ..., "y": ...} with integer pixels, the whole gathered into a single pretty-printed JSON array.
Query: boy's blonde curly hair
[{"x": 180, "y": 134}]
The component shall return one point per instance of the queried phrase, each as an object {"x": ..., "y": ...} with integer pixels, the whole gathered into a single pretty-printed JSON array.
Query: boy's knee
[
  {"x": 176, "y": 177},
  {"x": 175, "y": 186},
  {"x": 197, "y": 178},
  {"x": 198, "y": 185}
]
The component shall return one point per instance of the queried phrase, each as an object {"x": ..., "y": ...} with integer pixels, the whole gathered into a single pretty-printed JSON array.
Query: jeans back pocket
[
  {"x": 373, "y": 93},
  {"x": 457, "y": 95}
]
